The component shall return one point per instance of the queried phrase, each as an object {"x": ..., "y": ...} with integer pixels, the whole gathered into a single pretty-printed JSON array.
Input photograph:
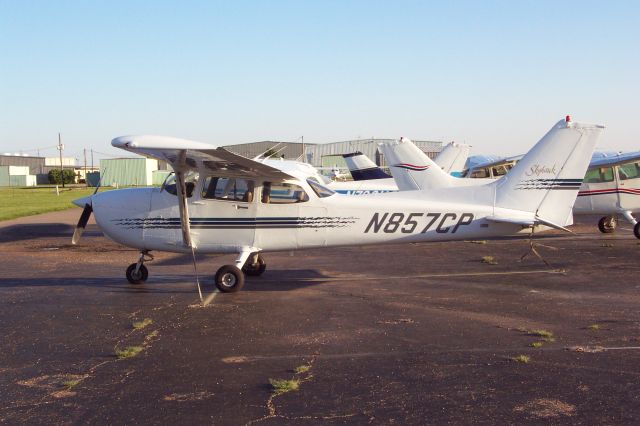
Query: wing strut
[{"x": 181, "y": 188}]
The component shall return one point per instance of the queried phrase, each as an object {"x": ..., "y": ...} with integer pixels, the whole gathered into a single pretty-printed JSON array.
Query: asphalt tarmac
[{"x": 398, "y": 334}]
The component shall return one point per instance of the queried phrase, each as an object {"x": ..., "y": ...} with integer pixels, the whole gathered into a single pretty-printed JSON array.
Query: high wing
[
  {"x": 614, "y": 160},
  {"x": 184, "y": 155}
]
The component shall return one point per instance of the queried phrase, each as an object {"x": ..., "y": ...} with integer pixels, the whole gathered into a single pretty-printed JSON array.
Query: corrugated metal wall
[
  {"x": 127, "y": 171},
  {"x": 314, "y": 153},
  {"x": 36, "y": 164},
  {"x": 290, "y": 150},
  {"x": 4, "y": 176}
]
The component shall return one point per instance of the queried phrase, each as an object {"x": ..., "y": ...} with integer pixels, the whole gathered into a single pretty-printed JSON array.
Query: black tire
[
  {"x": 229, "y": 279},
  {"x": 607, "y": 224},
  {"x": 256, "y": 269},
  {"x": 636, "y": 230},
  {"x": 140, "y": 277}
]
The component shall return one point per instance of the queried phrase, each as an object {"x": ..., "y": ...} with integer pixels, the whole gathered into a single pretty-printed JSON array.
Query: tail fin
[
  {"x": 453, "y": 157},
  {"x": 546, "y": 181},
  {"x": 362, "y": 168},
  {"x": 411, "y": 168}
]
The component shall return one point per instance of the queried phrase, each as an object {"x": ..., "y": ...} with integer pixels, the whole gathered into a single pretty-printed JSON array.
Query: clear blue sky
[{"x": 496, "y": 74}]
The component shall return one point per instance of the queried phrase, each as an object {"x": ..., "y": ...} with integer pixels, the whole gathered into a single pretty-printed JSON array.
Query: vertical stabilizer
[
  {"x": 362, "y": 168},
  {"x": 411, "y": 168},
  {"x": 546, "y": 181},
  {"x": 453, "y": 157}
]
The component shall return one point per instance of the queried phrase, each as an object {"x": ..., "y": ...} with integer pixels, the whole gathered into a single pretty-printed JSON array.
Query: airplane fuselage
[{"x": 148, "y": 219}]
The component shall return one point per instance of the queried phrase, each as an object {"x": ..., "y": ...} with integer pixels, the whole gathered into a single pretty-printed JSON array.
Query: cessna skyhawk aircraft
[{"x": 225, "y": 203}]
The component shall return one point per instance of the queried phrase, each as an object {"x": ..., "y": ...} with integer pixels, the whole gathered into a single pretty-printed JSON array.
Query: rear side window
[
  {"x": 480, "y": 173},
  {"x": 629, "y": 171},
  {"x": 283, "y": 193},
  {"x": 599, "y": 174},
  {"x": 499, "y": 171},
  {"x": 229, "y": 189}
]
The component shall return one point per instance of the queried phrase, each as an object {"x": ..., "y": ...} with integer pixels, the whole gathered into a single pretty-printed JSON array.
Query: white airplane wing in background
[{"x": 614, "y": 160}]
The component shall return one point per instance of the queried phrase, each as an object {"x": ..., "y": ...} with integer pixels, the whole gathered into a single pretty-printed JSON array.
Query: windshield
[
  {"x": 190, "y": 180},
  {"x": 320, "y": 190}
]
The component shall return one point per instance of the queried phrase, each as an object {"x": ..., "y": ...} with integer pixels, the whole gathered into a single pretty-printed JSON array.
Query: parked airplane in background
[
  {"x": 370, "y": 178},
  {"x": 225, "y": 203},
  {"x": 610, "y": 187}
]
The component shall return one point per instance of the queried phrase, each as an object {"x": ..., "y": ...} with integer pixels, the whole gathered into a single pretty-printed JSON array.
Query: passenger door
[{"x": 222, "y": 214}]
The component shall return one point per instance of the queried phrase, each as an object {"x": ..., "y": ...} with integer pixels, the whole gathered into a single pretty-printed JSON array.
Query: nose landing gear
[
  {"x": 607, "y": 224},
  {"x": 137, "y": 273}
]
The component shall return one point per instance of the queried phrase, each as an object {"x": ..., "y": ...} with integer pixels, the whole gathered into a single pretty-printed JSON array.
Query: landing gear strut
[
  {"x": 137, "y": 273},
  {"x": 607, "y": 224},
  {"x": 255, "y": 265}
]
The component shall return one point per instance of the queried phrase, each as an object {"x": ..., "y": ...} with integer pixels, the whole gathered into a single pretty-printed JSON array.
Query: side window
[
  {"x": 499, "y": 171},
  {"x": 629, "y": 171},
  {"x": 480, "y": 173},
  {"x": 229, "y": 189},
  {"x": 599, "y": 175},
  {"x": 283, "y": 193}
]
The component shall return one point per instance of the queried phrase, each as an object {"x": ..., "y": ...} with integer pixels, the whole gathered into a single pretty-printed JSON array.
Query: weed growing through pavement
[
  {"x": 594, "y": 327},
  {"x": 522, "y": 358},
  {"x": 128, "y": 352},
  {"x": 302, "y": 369},
  {"x": 489, "y": 260},
  {"x": 542, "y": 333},
  {"x": 70, "y": 384},
  {"x": 283, "y": 386},
  {"x": 536, "y": 344},
  {"x": 139, "y": 325}
]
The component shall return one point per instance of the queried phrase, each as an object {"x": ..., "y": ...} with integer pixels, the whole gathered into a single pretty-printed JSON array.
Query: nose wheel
[
  {"x": 607, "y": 224},
  {"x": 137, "y": 273}
]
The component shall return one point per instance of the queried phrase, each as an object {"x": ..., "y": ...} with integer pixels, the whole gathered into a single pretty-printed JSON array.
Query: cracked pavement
[{"x": 407, "y": 334}]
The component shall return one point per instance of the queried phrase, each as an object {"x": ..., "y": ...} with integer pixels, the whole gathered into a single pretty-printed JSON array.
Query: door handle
[{"x": 240, "y": 207}]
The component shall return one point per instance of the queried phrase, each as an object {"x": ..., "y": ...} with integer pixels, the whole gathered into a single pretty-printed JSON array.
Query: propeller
[
  {"x": 86, "y": 213},
  {"x": 82, "y": 222}
]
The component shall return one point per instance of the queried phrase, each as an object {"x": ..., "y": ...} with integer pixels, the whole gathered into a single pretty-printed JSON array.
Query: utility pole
[
  {"x": 91, "y": 159},
  {"x": 304, "y": 155},
  {"x": 60, "y": 148},
  {"x": 85, "y": 166}
]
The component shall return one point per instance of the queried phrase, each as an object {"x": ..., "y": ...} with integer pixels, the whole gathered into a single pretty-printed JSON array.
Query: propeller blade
[{"x": 82, "y": 223}]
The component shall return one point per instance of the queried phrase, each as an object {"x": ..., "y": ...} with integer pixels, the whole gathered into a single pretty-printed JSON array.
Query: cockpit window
[
  {"x": 190, "y": 180},
  {"x": 629, "y": 171},
  {"x": 283, "y": 193},
  {"x": 229, "y": 189},
  {"x": 320, "y": 190}
]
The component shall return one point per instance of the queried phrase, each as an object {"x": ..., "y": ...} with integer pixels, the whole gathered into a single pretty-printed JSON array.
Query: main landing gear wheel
[
  {"x": 137, "y": 277},
  {"x": 255, "y": 266},
  {"x": 229, "y": 279},
  {"x": 636, "y": 230},
  {"x": 607, "y": 224}
]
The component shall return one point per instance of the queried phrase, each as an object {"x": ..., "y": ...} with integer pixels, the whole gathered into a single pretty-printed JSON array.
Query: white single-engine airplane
[{"x": 225, "y": 203}]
